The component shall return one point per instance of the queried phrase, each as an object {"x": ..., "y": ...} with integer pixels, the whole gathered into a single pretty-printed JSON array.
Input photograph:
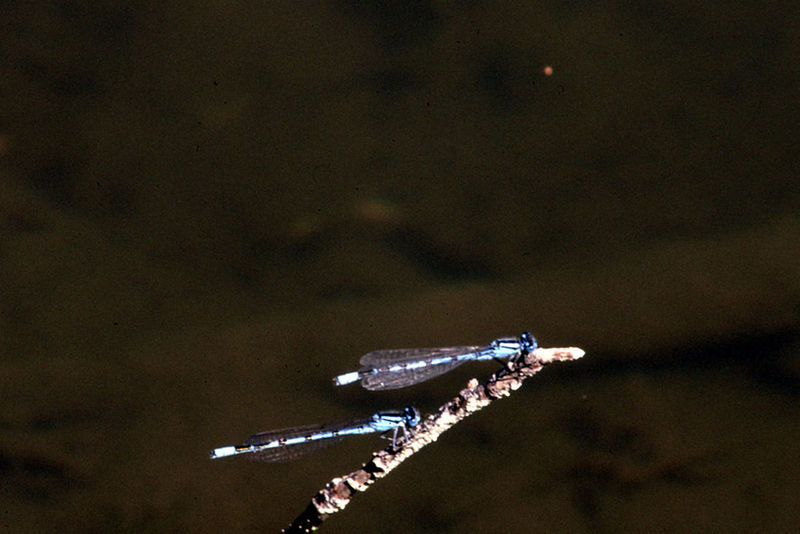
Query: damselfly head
[
  {"x": 411, "y": 416},
  {"x": 528, "y": 342}
]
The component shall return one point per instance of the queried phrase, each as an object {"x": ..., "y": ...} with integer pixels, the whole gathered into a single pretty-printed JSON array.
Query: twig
[{"x": 339, "y": 491}]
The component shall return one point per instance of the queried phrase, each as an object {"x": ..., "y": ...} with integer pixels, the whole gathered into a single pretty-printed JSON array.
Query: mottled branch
[{"x": 336, "y": 495}]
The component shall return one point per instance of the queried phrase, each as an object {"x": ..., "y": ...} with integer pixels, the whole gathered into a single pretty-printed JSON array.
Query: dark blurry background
[{"x": 209, "y": 210}]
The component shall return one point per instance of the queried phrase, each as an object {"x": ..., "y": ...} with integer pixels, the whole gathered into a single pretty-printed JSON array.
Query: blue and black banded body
[
  {"x": 290, "y": 443},
  {"x": 398, "y": 368}
]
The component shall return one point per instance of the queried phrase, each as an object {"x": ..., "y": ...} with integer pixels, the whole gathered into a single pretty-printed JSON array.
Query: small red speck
[{"x": 548, "y": 70}]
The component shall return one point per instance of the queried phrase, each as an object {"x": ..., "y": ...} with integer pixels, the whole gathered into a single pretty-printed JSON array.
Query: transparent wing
[
  {"x": 406, "y": 377},
  {"x": 285, "y": 453},
  {"x": 381, "y": 358}
]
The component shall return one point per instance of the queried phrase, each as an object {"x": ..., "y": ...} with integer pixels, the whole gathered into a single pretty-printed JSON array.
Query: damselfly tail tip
[
  {"x": 347, "y": 378},
  {"x": 222, "y": 451}
]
